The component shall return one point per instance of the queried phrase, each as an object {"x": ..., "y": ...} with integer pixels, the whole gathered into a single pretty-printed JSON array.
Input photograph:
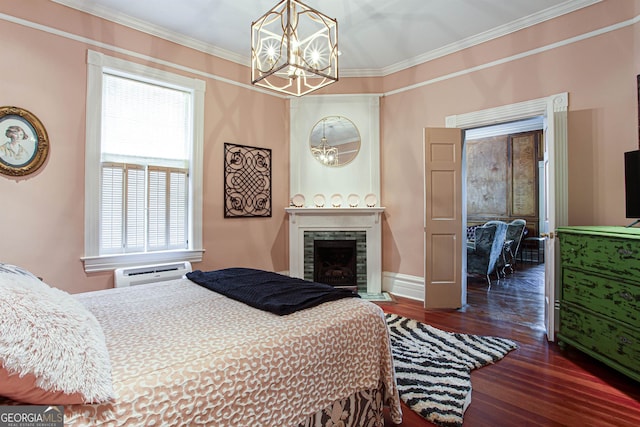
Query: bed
[{"x": 182, "y": 354}]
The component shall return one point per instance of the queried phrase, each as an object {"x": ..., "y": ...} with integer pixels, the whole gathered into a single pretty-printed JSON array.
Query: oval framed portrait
[{"x": 24, "y": 144}]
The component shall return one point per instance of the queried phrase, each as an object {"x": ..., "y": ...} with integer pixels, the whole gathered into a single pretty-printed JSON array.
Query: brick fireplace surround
[{"x": 337, "y": 219}]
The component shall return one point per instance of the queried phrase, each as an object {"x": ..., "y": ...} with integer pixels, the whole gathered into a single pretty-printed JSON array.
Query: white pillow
[
  {"x": 14, "y": 269},
  {"x": 52, "y": 349}
]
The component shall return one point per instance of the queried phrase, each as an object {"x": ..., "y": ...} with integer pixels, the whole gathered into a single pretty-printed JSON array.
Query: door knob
[{"x": 549, "y": 235}]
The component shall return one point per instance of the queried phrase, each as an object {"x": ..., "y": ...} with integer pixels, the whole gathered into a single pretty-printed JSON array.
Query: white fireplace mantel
[{"x": 365, "y": 219}]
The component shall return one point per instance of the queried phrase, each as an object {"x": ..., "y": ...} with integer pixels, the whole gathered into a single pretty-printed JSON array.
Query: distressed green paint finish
[
  {"x": 612, "y": 256},
  {"x": 600, "y": 294},
  {"x": 609, "y": 296},
  {"x": 608, "y": 341}
]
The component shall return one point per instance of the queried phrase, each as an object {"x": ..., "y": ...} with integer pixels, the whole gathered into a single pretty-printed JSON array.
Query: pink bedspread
[{"x": 183, "y": 355}]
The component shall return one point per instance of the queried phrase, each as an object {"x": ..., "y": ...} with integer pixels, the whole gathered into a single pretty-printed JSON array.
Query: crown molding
[
  {"x": 494, "y": 33},
  {"x": 161, "y": 32},
  {"x": 154, "y": 30},
  {"x": 133, "y": 54}
]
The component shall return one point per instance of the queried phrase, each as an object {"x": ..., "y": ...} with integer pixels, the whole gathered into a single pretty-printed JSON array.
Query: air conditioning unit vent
[{"x": 131, "y": 276}]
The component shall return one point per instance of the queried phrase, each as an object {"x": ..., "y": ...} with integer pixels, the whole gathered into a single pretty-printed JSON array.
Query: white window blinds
[
  {"x": 146, "y": 120},
  {"x": 145, "y": 160}
]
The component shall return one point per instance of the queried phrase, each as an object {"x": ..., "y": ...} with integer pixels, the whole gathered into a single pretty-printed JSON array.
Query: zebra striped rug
[{"x": 433, "y": 367}]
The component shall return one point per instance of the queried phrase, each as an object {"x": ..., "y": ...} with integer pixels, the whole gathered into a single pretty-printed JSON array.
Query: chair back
[
  {"x": 515, "y": 231},
  {"x": 484, "y": 237},
  {"x": 488, "y": 247},
  {"x": 498, "y": 243}
]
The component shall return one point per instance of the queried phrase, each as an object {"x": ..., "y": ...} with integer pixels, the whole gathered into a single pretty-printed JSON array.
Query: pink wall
[
  {"x": 43, "y": 213},
  {"x": 599, "y": 73}
]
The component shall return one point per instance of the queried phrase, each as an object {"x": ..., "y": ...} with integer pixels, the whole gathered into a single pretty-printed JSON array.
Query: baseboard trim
[{"x": 403, "y": 285}]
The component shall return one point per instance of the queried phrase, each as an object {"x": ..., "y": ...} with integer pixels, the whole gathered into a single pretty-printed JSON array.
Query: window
[{"x": 143, "y": 165}]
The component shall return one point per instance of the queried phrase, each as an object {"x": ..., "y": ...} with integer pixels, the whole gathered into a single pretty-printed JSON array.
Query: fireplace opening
[{"x": 335, "y": 263}]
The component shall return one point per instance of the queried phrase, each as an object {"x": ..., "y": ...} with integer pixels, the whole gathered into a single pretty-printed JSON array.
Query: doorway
[
  {"x": 503, "y": 174},
  {"x": 503, "y": 183},
  {"x": 553, "y": 109}
]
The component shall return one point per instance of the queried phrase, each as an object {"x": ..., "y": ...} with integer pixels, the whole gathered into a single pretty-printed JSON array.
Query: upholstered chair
[
  {"x": 501, "y": 263},
  {"x": 515, "y": 231},
  {"x": 484, "y": 254}
]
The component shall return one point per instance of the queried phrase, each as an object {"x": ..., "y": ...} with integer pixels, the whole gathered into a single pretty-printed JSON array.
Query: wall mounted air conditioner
[{"x": 131, "y": 276}]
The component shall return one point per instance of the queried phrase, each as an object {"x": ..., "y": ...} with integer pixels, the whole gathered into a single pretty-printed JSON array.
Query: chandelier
[
  {"x": 323, "y": 152},
  {"x": 294, "y": 49}
]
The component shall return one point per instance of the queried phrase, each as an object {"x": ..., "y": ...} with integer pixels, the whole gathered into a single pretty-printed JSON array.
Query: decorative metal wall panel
[{"x": 247, "y": 181}]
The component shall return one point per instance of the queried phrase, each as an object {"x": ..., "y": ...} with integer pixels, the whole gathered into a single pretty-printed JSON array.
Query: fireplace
[
  {"x": 334, "y": 263},
  {"x": 337, "y": 240},
  {"x": 306, "y": 225}
]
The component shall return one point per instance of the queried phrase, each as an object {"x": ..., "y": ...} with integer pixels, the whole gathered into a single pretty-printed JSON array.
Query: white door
[{"x": 548, "y": 231}]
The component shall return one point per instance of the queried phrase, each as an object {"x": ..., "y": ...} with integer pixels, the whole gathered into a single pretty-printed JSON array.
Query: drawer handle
[
  {"x": 626, "y": 296},
  {"x": 625, "y": 253},
  {"x": 624, "y": 340}
]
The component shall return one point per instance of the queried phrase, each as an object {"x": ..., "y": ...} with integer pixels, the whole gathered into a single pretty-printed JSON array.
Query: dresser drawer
[
  {"x": 606, "y": 255},
  {"x": 608, "y": 296},
  {"x": 605, "y": 339}
]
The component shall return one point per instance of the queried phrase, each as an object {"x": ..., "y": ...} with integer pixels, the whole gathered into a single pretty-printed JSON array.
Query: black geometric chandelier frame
[{"x": 294, "y": 49}]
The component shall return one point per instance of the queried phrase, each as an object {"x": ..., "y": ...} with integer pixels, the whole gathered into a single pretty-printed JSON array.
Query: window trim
[{"x": 93, "y": 261}]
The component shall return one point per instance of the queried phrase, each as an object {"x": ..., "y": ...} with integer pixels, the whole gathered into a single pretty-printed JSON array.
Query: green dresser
[{"x": 600, "y": 294}]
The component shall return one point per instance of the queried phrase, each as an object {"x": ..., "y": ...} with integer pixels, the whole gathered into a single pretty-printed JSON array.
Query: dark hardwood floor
[{"x": 538, "y": 384}]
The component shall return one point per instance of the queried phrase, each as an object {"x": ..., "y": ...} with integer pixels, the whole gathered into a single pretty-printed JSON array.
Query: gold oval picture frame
[{"x": 24, "y": 144}]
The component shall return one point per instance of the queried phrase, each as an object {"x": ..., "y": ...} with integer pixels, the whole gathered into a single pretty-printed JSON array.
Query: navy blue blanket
[{"x": 268, "y": 291}]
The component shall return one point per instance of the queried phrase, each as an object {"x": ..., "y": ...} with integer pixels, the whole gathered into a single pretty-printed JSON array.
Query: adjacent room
[{"x": 336, "y": 213}]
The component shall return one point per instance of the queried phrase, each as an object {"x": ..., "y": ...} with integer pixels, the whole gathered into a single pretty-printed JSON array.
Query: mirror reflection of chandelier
[
  {"x": 294, "y": 49},
  {"x": 324, "y": 152}
]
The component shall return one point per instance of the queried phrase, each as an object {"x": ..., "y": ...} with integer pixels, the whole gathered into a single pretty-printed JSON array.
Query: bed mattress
[{"x": 182, "y": 354}]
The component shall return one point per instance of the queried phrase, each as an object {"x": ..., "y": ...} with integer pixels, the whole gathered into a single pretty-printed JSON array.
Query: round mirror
[{"x": 335, "y": 141}]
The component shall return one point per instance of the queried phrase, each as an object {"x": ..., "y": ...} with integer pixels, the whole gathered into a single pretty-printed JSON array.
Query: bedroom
[{"x": 46, "y": 211}]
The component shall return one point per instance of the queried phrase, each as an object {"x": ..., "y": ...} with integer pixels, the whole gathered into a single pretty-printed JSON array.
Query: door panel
[
  {"x": 444, "y": 239},
  {"x": 549, "y": 226}
]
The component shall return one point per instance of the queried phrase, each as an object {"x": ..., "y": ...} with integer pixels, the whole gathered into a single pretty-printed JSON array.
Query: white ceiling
[{"x": 376, "y": 37}]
